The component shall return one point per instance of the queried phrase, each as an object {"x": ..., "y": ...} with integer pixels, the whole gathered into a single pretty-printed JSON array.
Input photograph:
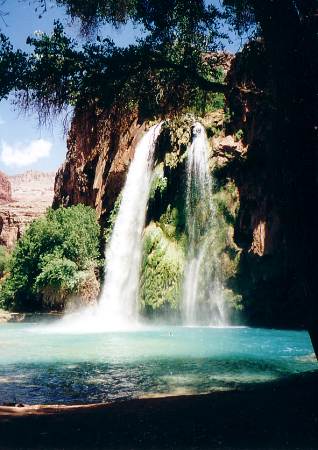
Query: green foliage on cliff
[
  {"x": 111, "y": 220},
  {"x": 165, "y": 237},
  {"x": 162, "y": 268},
  {"x": 48, "y": 262},
  {"x": 178, "y": 135},
  {"x": 159, "y": 181},
  {"x": 165, "y": 249}
]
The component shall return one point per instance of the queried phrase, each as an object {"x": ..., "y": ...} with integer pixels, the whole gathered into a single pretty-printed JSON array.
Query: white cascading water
[
  {"x": 118, "y": 303},
  {"x": 203, "y": 301}
]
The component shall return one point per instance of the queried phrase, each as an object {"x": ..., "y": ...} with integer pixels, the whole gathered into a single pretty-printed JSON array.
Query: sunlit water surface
[{"x": 39, "y": 365}]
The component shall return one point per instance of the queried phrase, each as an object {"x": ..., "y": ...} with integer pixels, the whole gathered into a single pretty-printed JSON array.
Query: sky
[{"x": 25, "y": 145}]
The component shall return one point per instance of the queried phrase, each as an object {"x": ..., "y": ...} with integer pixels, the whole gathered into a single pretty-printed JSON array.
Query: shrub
[{"x": 49, "y": 257}]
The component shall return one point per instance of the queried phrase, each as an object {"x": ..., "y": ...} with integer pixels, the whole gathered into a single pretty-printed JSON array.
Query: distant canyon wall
[
  {"x": 24, "y": 197},
  {"x": 5, "y": 188}
]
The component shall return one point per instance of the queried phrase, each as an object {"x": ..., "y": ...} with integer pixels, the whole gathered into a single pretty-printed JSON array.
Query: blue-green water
[{"x": 38, "y": 365}]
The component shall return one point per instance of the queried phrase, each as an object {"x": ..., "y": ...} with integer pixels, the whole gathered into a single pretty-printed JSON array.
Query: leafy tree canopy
[
  {"x": 163, "y": 70},
  {"x": 4, "y": 257}
]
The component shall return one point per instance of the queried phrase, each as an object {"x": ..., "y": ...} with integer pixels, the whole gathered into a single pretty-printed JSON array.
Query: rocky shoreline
[{"x": 11, "y": 317}]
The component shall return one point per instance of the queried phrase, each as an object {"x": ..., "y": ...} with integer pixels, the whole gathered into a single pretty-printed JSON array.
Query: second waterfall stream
[{"x": 203, "y": 301}]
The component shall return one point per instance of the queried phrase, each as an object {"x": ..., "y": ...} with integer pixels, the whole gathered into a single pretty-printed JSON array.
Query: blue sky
[{"x": 23, "y": 144}]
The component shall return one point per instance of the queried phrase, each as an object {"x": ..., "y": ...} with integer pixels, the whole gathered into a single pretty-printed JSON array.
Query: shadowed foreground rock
[{"x": 278, "y": 415}]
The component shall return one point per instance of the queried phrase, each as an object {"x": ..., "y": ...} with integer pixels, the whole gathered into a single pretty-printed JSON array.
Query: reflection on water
[{"x": 56, "y": 368}]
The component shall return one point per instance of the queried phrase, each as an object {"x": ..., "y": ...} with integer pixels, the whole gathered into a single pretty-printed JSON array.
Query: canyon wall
[
  {"x": 28, "y": 195},
  {"x": 100, "y": 148},
  {"x": 269, "y": 277},
  {"x": 5, "y": 188}
]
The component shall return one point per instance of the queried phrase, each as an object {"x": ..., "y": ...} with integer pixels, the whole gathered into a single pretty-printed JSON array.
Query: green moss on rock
[
  {"x": 177, "y": 134},
  {"x": 162, "y": 268}
]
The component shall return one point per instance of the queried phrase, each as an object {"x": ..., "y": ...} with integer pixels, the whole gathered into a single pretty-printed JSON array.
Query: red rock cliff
[{"x": 100, "y": 148}]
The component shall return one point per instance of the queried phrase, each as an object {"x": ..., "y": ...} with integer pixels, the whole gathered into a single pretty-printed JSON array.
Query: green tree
[
  {"x": 51, "y": 258},
  {"x": 162, "y": 72}
]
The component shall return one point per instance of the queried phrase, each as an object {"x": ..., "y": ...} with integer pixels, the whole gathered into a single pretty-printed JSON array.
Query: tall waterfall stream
[{"x": 118, "y": 303}]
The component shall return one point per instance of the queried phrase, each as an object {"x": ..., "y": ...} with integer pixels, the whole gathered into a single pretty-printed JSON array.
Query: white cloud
[
  {"x": 2, "y": 122},
  {"x": 20, "y": 155}
]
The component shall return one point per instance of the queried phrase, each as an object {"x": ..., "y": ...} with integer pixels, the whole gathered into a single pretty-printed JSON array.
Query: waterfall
[
  {"x": 118, "y": 302},
  {"x": 117, "y": 308},
  {"x": 203, "y": 301}
]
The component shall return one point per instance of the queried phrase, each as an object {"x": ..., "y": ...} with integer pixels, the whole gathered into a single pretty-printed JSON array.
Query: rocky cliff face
[
  {"x": 5, "y": 188},
  {"x": 32, "y": 194},
  {"x": 100, "y": 148},
  {"x": 267, "y": 276}
]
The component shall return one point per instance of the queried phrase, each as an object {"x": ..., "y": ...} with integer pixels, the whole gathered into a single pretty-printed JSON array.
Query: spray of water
[{"x": 203, "y": 301}]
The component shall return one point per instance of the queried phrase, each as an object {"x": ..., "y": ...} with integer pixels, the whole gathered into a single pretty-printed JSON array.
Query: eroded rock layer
[
  {"x": 32, "y": 194},
  {"x": 5, "y": 188}
]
